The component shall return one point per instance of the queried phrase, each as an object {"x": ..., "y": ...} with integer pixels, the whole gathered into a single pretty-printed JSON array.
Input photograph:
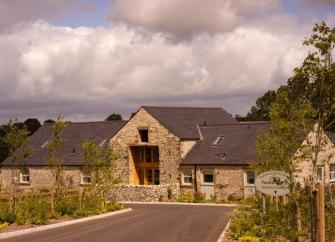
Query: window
[
  {"x": 156, "y": 177},
  {"x": 208, "y": 177},
  {"x": 144, "y": 135},
  {"x": 148, "y": 156},
  {"x": 218, "y": 140},
  {"x": 102, "y": 143},
  {"x": 249, "y": 178},
  {"x": 332, "y": 172},
  {"x": 85, "y": 177},
  {"x": 44, "y": 145},
  {"x": 24, "y": 175},
  {"x": 187, "y": 177},
  {"x": 155, "y": 154},
  {"x": 319, "y": 173},
  {"x": 152, "y": 176}
]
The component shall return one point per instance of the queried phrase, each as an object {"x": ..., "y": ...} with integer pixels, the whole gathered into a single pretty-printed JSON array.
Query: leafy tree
[
  {"x": 32, "y": 124},
  {"x": 49, "y": 121},
  {"x": 56, "y": 160},
  {"x": 114, "y": 117},
  {"x": 16, "y": 141},
  {"x": 260, "y": 111},
  {"x": 98, "y": 163}
]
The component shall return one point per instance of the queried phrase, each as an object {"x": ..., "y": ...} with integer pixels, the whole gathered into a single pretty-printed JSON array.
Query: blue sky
[{"x": 222, "y": 53}]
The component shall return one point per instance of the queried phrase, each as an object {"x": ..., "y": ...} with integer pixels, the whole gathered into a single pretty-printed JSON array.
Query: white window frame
[
  {"x": 246, "y": 183},
  {"x": 332, "y": 172},
  {"x": 186, "y": 173},
  {"x": 203, "y": 176},
  {"x": 24, "y": 175},
  {"x": 322, "y": 173},
  {"x": 84, "y": 175}
]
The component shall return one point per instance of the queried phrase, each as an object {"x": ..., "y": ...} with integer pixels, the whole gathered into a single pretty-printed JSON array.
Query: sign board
[{"x": 273, "y": 183}]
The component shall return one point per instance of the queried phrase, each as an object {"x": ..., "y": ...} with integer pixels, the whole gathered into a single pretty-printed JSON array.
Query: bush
[
  {"x": 200, "y": 198},
  {"x": 5, "y": 214},
  {"x": 248, "y": 239},
  {"x": 185, "y": 198},
  {"x": 4, "y": 225},
  {"x": 67, "y": 205},
  {"x": 92, "y": 204},
  {"x": 113, "y": 207},
  {"x": 34, "y": 209}
]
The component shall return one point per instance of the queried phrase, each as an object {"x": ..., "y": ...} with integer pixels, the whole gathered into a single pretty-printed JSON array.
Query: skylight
[
  {"x": 218, "y": 140},
  {"x": 45, "y": 144},
  {"x": 102, "y": 143}
]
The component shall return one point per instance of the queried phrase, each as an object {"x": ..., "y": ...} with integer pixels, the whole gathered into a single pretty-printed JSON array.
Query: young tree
[
  {"x": 19, "y": 151},
  {"x": 98, "y": 164},
  {"x": 55, "y": 159}
]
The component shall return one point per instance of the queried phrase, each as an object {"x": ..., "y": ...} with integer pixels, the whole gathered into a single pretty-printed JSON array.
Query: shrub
[
  {"x": 113, "y": 207},
  {"x": 248, "y": 239},
  {"x": 67, "y": 205},
  {"x": 92, "y": 204},
  {"x": 185, "y": 198},
  {"x": 34, "y": 209},
  {"x": 4, "y": 225},
  {"x": 5, "y": 214},
  {"x": 200, "y": 198}
]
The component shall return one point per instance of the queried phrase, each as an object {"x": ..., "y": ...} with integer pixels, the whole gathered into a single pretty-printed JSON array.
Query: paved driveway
[{"x": 147, "y": 223}]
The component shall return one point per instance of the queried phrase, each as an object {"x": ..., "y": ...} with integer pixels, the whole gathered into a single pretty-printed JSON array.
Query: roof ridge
[
  {"x": 236, "y": 124},
  {"x": 88, "y": 122},
  {"x": 181, "y": 107}
]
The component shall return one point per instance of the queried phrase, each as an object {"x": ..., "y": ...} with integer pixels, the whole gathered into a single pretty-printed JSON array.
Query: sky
[{"x": 86, "y": 59}]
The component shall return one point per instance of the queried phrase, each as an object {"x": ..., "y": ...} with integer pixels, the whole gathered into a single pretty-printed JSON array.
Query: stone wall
[
  {"x": 144, "y": 193},
  {"x": 228, "y": 181},
  {"x": 168, "y": 143},
  {"x": 41, "y": 177},
  {"x": 186, "y": 146},
  {"x": 326, "y": 157}
]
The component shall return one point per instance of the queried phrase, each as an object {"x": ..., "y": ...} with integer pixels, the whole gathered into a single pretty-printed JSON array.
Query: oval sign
[{"x": 273, "y": 183}]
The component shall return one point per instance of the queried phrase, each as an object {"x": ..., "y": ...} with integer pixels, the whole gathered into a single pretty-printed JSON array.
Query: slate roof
[
  {"x": 74, "y": 134},
  {"x": 182, "y": 121},
  {"x": 331, "y": 136},
  {"x": 237, "y": 148}
]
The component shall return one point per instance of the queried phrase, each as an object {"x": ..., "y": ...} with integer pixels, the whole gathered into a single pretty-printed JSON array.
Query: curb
[
  {"x": 185, "y": 204},
  {"x": 61, "y": 224},
  {"x": 221, "y": 238}
]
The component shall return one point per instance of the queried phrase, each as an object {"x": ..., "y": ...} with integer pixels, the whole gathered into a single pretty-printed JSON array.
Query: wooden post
[
  {"x": 321, "y": 213},
  {"x": 264, "y": 204},
  {"x": 52, "y": 196}
]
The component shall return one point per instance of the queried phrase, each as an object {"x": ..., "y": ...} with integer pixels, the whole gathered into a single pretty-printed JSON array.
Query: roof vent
[
  {"x": 45, "y": 144},
  {"x": 218, "y": 140},
  {"x": 73, "y": 150},
  {"x": 205, "y": 124},
  {"x": 102, "y": 143}
]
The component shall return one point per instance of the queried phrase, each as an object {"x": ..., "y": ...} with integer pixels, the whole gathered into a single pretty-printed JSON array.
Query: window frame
[
  {"x": 246, "y": 182},
  {"x": 322, "y": 173},
  {"x": 24, "y": 175},
  {"x": 204, "y": 172},
  {"x": 144, "y": 133},
  {"x": 186, "y": 173},
  {"x": 83, "y": 175},
  {"x": 331, "y": 172}
]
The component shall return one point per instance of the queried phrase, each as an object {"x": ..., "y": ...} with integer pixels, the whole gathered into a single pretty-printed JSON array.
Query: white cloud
[
  {"x": 189, "y": 17},
  {"x": 88, "y": 73}
]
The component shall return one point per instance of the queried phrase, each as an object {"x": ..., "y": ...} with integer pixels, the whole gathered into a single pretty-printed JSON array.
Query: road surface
[{"x": 145, "y": 223}]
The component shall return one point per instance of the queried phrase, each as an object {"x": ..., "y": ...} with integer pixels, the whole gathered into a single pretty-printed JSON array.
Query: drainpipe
[{"x": 195, "y": 180}]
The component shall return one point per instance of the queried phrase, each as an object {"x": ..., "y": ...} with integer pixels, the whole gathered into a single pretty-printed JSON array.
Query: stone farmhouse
[{"x": 160, "y": 150}]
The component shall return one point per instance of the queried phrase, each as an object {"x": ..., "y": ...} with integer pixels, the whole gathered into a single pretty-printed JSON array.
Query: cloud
[
  {"x": 189, "y": 17},
  {"x": 19, "y": 11},
  {"x": 88, "y": 73}
]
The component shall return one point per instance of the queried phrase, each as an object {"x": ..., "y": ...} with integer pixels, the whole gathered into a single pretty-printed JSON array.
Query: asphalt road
[{"x": 147, "y": 223}]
